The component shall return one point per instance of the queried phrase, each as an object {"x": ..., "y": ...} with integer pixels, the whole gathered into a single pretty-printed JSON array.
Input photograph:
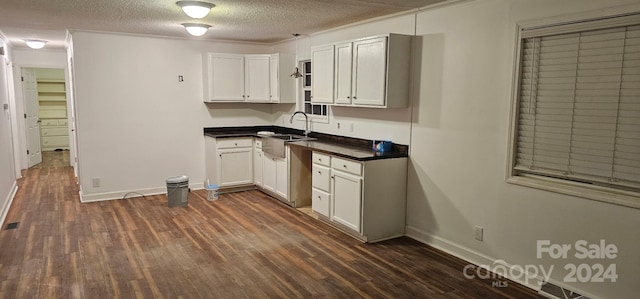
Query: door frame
[{"x": 20, "y": 141}]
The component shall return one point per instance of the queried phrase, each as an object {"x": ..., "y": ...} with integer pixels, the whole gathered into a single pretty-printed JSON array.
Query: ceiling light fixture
[
  {"x": 35, "y": 43},
  {"x": 196, "y": 29},
  {"x": 195, "y": 9}
]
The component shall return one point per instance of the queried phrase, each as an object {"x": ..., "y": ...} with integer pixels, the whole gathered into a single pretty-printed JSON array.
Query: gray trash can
[{"x": 178, "y": 191}]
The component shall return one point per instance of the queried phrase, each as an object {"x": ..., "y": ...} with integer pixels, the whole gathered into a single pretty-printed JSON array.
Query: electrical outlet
[
  {"x": 95, "y": 182},
  {"x": 338, "y": 126},
  {"x": 479, "y": 232}
]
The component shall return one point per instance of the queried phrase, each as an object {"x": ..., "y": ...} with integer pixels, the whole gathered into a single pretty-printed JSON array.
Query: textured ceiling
[{"x": 242, "y": 20}]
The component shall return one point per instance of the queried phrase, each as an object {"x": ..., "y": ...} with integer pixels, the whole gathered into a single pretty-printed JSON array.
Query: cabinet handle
[
  {"x": 344, "y": 165},
  {"x": 333, "y": 177},
  {"x": 348, "y": 97},
  {"x": 319, "y": 197},
  {"x": 236, "y": 144},
  {"x": 220, "y": 155},
  {"x": 319, "y": 172},
  {"x": 354, "y": 98}
]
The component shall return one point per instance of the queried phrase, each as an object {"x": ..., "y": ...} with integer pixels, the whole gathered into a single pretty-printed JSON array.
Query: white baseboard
[
  {"x": 96, "y": 197},
  {"x": 470, "y": 256},
  {"x": 8, "y": 201}
]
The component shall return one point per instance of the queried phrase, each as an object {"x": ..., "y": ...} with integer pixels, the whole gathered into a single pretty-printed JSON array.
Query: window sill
[{"x": 597, "y": 193}]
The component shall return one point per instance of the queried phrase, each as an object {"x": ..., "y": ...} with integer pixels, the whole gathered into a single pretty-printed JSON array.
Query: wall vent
[{"x": 554, "y": 291}]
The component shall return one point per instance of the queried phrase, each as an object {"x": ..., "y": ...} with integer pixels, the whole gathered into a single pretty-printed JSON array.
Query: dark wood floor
[{"x": 246, "y": 245}]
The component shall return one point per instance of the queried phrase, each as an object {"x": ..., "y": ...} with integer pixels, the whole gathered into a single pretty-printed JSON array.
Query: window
[
  {"x": 578, "y": 109},
  {"x": 317, "y": 112}
]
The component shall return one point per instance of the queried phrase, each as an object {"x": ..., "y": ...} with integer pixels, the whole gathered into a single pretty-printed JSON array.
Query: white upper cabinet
[
  {"x": 322, "y": 74},
  {"x": 283, "y": 87},
  {"x": 343, "y": 73},
  {"x": 225, "y": 78},
  {"x": 258, "y": 78},
  {"x": 256, "y": 83},
  {"x": 369, "y": 72}
]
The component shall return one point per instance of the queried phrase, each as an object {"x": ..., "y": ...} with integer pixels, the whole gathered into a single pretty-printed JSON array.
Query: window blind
[{"x": 579, "y": 107}]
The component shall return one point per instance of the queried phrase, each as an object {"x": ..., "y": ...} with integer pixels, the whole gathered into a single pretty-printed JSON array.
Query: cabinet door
[
  {"x": 346, "y": 200},
  {"x": 257, "y": 166},
  {"x": 257, "y": 71},
  {"x": 369, "y": 71},
  {"x": 268, "y": 172},
  {"x": 226, "y": 77},
  {"x": 274, "y": 78},
  {"x": 322, "y": 74},
  {"x": 282, "y": 178},
  {"x": 343, "y": 74},
  {"x": 235, "y": 167}
]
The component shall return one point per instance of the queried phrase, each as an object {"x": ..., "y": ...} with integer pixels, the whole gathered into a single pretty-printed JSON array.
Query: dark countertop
[{"x": 347, "y": 147}]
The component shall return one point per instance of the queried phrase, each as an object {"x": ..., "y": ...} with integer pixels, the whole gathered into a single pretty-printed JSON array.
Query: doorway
[{"x": 47, "y": 121}]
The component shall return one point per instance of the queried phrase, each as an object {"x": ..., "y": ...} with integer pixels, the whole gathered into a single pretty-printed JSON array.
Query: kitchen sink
[
  {"x": 291, "y": 137},
  {"x": 275, "y": 144}
]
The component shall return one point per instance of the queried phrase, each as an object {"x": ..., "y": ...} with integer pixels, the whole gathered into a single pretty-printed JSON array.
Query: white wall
[
  {"x": 136, "y": 124},
  {"x": 459, "y": 151},
  {"x": 8, "y": 185}
]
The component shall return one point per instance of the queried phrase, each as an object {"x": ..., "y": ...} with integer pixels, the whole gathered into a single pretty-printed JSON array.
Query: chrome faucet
[{"x": 306, "y": 121}]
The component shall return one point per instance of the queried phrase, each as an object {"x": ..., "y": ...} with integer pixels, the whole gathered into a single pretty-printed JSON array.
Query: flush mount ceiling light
[
  {"x": 35, "y": 43},
  {"x": 196, "y": 29},
  {"x": 195, "y": 9}
]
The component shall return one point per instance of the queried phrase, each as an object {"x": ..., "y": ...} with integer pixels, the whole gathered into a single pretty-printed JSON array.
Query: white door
[
  {"x": 322, "y": 74},
  {"x": 269, "y": 172},
  {"x": 71, "y": 116},
  {"x": 346, "y": 195},
  {"x": 370, "y": 71},
  {"x": 236, "y": 167},
  {"x": 30, "y": 86},
  {"x": 343, "y": 76},
  {"x": 257, "y": 166},
  {"x": 256, "y": 84},
  {"x": 282, "y": 178},
  {"x": 274, "y": 79},
  {"x": 226, "y": 78}
]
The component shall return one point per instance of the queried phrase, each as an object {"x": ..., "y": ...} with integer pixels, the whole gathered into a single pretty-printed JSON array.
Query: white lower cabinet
[
  {"x": 229, "y": 161},
  {"x": 366, "y": 199},
  {"x": 321, "y": 182},
  {"x": 257, "y": 162},
  {"x": 294, "y": 190},
  {"x": 269, "y": 172},
  {"x": 347, "y": 199}
]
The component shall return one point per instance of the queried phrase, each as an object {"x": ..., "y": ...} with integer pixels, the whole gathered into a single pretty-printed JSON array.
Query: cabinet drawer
[
  {"x": 49, "y": 122},
  {"x": 320, "y": 202},
  {"x": 55, "y": 141},
  {"x": 258, "y": 143},
  {"x": 54, "y": 132},
  {"x": 321, "y": 177},
  {"x": 234, "y": 142},
  {"x": 321, "y": 159},
  {"x": 346, "y": 166}
]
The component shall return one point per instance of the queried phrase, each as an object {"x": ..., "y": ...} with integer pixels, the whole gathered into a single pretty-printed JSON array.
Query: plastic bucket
[{"x": 213, "y": 192}]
